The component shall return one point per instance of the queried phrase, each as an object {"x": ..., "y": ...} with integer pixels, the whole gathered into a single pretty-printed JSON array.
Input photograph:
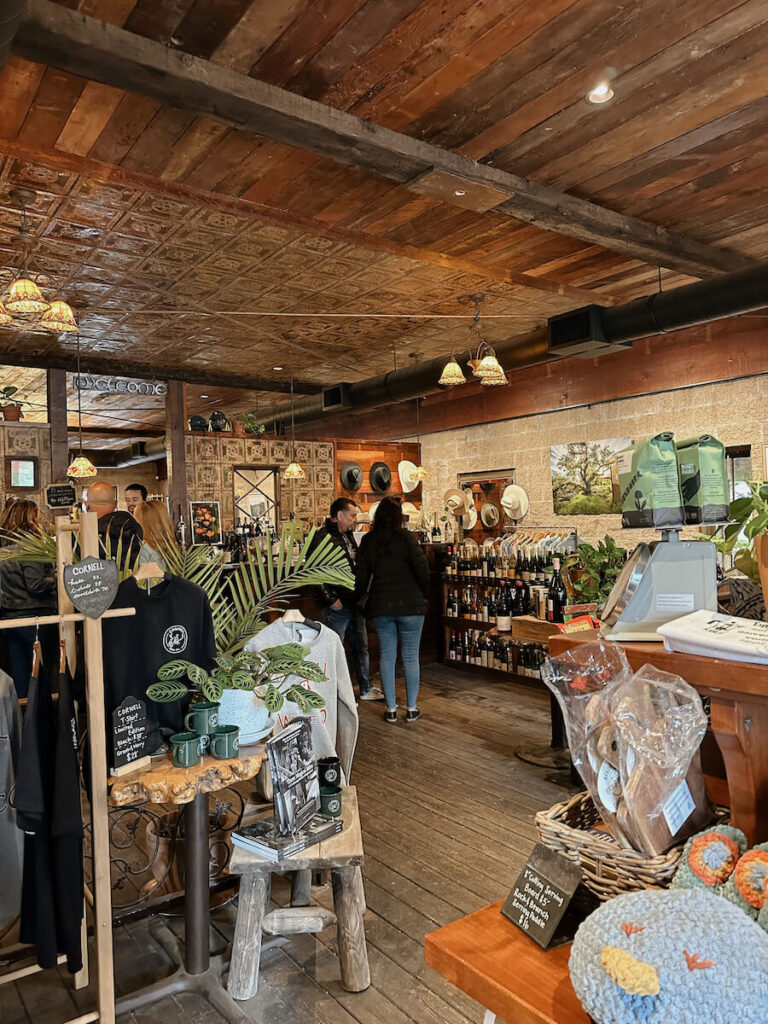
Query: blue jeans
[
  {"x": 349, "y": 624},
  {"x": 409, "y": 629}
]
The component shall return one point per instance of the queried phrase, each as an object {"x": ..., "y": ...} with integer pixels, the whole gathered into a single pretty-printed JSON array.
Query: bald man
[{"x": 113, "y": 524}]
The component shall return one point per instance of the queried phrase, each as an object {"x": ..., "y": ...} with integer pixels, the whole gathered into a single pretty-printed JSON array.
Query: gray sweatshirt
[
  {"x": 11, "y": 837},
  {"x": 334, "y": 727}
]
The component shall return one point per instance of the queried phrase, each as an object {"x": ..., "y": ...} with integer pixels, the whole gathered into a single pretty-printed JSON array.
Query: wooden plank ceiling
[{"x": 161, "y": 226}]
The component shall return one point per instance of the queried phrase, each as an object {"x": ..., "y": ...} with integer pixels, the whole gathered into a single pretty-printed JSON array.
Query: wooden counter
[
  {"x": 738, "y": 694},
  {"x": 490, "y": 959}
]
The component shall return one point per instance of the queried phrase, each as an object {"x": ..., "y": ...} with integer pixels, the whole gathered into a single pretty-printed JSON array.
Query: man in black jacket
[{"x": 340, "y": 612}]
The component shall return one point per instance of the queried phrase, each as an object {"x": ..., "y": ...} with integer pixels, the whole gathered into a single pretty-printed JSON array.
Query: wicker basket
[{"x": 608, "y": 868}]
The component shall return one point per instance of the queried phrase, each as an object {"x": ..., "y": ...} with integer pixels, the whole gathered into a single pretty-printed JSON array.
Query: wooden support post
[
  {"x": 102, "y": 913},
  {"x": 175, "y": 424},
  {"x": 57, "y": 417}
]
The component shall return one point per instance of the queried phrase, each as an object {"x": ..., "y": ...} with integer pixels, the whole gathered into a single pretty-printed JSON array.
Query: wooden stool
[{"x": 342, "y": 854}]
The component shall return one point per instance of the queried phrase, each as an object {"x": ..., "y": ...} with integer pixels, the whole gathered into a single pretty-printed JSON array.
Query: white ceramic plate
[{"x": 246, "y": 739}]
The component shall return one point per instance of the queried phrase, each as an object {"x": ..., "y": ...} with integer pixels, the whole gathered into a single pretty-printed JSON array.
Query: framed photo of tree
[{"x": 581, "y": 477}]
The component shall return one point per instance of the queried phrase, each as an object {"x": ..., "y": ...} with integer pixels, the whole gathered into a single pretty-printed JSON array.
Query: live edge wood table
[
  {"x": 163, "y": 784},
  {"x": 738, "y": 694},
  {"x": 495, "y": 963}
]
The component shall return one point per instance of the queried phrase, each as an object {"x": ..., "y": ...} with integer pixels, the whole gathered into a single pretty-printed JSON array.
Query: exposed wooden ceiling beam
[
  {"x": 54, "y": 35},
  {"x": 13, "y": 356},
  {"x": 74, "y": 164}
]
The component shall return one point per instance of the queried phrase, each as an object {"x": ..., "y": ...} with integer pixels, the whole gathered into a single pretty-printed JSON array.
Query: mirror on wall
[
  {"x": 257, "y": 496},
  {"x": 487, "y": 517}
]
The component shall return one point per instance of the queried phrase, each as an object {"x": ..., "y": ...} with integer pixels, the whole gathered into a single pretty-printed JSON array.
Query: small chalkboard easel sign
[
  {"x": 129, "y": 736},
  {"x": 542, "y": 900}
]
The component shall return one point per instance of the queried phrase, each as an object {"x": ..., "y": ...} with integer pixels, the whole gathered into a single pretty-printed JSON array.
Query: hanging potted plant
[
  {"x": 592, "y": 571},
  {"x": 11, "y": 407}
]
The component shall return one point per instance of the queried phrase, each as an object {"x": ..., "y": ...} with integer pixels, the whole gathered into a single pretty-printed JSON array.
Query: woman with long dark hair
[
  {"x": 392, "y": 576},
  {"x": 26, "y": 589}
]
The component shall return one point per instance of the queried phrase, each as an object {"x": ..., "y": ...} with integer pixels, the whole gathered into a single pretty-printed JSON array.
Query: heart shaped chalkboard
[{"x": 91, "y": 585}]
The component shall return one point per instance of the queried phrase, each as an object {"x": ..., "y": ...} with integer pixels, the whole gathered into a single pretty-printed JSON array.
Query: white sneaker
[{"x": 373, "y": 694}]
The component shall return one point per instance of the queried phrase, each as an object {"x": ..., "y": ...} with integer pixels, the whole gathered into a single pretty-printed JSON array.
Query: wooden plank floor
[{"x": 447, "y": 813}]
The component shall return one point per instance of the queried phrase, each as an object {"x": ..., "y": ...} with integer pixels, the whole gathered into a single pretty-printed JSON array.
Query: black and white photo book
[
  {"x": 294, "y": 776},
  {"x": 265, "y": 839}
]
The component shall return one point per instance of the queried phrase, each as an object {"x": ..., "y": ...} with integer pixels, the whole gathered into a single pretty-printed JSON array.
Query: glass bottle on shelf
[
  {"x": 484, "y": 604},
  {"x": 492, "y": 610},
  {"x": 452, "y": 647},
  {"x": 557, "y": 597},
  {"x": 503, "y": 609}
]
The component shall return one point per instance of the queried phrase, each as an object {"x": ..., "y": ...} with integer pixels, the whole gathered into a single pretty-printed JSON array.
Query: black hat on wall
[
  {"x": 351, "y": 476},
  {"x": 380, "y": 476}
]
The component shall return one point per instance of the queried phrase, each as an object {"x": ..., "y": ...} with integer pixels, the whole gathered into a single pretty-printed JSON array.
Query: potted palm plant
[{"x": 250, "y": 686}]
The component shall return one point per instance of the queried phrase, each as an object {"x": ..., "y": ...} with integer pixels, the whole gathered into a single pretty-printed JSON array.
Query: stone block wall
[{"x": 733, "y": 411}]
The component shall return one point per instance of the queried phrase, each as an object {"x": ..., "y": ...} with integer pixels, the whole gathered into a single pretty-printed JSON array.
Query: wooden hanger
[
  {"x": 294, "y": 615},
  {"x": 62, "y": 657},
  {"x": 149, "y": 571},
  {"x": 37, "y": 658}
]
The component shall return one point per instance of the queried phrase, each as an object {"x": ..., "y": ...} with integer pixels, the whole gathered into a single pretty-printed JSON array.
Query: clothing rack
[{"x": 87, "y": 527}]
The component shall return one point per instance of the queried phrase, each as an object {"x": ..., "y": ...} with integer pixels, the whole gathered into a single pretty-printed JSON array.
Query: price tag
[
  {"x": 542, "y": 896},
  {"x": 129, "y": 732},
  {"x": 91, "y": 585}
]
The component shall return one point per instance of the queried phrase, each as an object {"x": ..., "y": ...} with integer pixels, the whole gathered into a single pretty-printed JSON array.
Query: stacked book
[{"x": 265, "y": 838}]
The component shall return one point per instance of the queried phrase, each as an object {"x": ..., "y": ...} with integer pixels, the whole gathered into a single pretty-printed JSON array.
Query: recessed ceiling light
[
  {"x": 601, "y": 93},
  {"x": 459, "y": 191},
  {"x": 205, "y": 396},
  {"x": 277, "y": 367}
]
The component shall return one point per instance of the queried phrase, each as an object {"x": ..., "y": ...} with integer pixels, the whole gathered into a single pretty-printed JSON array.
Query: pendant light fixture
[
  {"x": 80, "y": 468},
  {"x": 420, "y": 474},
  {"x": 484, "y": 364},
  {"x": 24, "y": 297},
  {"x": 59, "y": 318},
  {"x": 293, "y": 471},
  {"x": 452, "y": 373}
]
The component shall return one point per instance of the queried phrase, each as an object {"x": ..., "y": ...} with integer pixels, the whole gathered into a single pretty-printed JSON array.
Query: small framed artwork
[
  {"x": 21, "y": 473},
  {"x": 205, "y": 517}
]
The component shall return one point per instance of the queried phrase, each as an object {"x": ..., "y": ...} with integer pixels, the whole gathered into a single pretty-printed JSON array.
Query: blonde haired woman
[{"x": 156, "y": 525}]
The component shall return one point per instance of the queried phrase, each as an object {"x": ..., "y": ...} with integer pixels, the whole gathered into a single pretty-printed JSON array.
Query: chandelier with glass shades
[
  {"x": 23, "y": 304},
  {"x": 484, "y": 364}
]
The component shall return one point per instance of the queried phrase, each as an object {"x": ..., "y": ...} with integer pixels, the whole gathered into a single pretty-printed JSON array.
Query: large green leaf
[
  {"x": 311, "y": 672},
  {"x": 273, "y": 699},
  {"x": 197, "y": 675},
  {"x": 212, "y": 688},
  {"x": 241, "y": 680},
  {"x": 165, "y": 692},
  {"x": 305, "y": 699},
  {"x": 173, "y": 670}
]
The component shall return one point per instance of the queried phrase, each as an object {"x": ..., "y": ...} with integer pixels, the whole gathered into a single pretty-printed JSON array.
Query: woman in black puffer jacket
[{"x": 393, "y": 572}]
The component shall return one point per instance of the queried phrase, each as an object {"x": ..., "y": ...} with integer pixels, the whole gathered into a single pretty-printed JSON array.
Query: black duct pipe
[
  {"x": 699, "y": 303},
  {"x": 702, "y": 302},
  {"x": 11, "y": 14}
]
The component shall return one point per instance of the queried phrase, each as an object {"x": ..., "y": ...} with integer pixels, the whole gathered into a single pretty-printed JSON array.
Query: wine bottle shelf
[{"x": 462, "y": 623}]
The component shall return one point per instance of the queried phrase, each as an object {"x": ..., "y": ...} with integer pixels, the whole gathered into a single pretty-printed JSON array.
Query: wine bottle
[
  {"x": 557, "y": 598},
  {"x": 484, "y": 605},
  {"x": 504, "y": 610},
  {"x": 492, "y": 609},
  {"x": 452, "y": 647}
]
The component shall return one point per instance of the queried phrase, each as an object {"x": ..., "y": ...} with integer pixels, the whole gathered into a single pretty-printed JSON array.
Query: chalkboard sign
[
  {"x": 541, "y": 898},
  {"x": 60, "y": 495},
  {"x": 129, "y": 732},
  {"x": 91, "y": 585}
]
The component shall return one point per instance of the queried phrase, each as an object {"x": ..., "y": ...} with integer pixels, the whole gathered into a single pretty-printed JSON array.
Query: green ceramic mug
[
  {"x": 330, "y": 800},
  {"x": 187, "y": 748},
  {"x": 202, "y": 717},
  {"x": 225, "y": 741}
]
